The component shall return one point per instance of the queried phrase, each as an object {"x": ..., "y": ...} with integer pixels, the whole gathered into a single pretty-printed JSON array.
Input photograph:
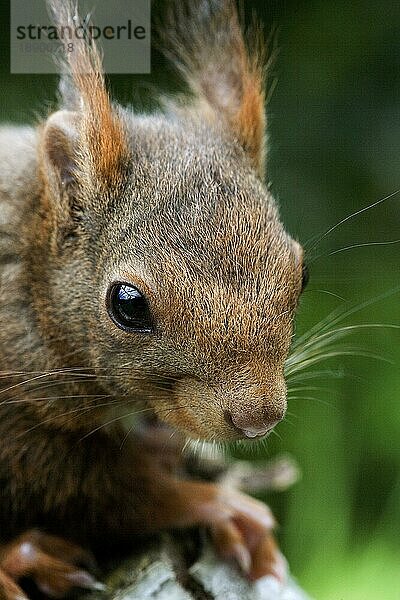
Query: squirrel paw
[
  {"x": 56, "y": 566},
  {"x": 241, "y": 528}
]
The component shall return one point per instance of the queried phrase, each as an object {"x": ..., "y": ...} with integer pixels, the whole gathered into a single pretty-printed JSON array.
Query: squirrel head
[{"x": 165, "y": 264}]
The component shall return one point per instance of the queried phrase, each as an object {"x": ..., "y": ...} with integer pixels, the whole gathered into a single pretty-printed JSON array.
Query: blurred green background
[{"x": 334, "y": 126}]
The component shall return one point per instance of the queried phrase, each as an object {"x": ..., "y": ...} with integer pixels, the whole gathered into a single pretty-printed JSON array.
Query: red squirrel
[{"x": 144, "y": 272}]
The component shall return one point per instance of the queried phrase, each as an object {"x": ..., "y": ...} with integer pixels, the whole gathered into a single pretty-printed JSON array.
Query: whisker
[
  {"x": 130, "y": 414},
  {"x": 309, "y": 388},
  {"x": 330, "y": 404},
  {"x": 348, "y": 329},
  {"x": 334, "y": 353},
  {"x": 311, "y": 290},
  {"x": 3, "y": 391},
  {"x": 65, "y": 414},
  {"x": 351, "y": 216},
  {"x": 52, "y": 398},
  {"x": 338, "y": 374},
  {"x": 276, "y": 433},
  {"x": 340, "y": 314},
  {"x": 363, "y": 245}
]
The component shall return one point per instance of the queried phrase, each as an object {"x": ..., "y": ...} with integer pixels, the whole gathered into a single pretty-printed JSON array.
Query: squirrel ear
[
  {"x": 60, "y": 138},
  {"x": 204, "y": 39},
  {"x": 61, "y": 173},
  {"x": 83, "y": 91}
]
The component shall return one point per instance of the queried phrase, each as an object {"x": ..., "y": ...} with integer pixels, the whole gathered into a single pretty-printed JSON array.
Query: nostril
[{"x": 229, "y": 420}]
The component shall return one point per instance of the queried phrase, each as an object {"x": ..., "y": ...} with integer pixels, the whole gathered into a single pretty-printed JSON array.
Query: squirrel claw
[
  {"x": 268, "y": 560},
  {"x": 244, "y": 533},
  {"x": 53, "y": 564},
  {"x": 83, "y": 579}
]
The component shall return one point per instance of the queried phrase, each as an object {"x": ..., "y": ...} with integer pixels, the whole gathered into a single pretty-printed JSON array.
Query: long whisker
[
  {"x": 335, "y": 373},
  {"x": 310, "y": 388},
  {"x": 340, "y": 315},
  {"x": 52, "y": 398},
  {"x": 7, "y": 389},
  {"x": 363, "y": 245},
  {"x": 330, "y": 404},
  {"x": 308, "y": 291},
  {"x": 354, "y": 214},
  {"x": 318, "y": 358},
  {"x": 345, "y": 330},
  {"x": 127, "y": 415},
  {"x": 53, "y": 418}
]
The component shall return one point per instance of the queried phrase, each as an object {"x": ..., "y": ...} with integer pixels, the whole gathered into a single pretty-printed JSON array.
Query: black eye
[
  {"x": 305, "y": 276},
  {"x": 129, "y": 309}
]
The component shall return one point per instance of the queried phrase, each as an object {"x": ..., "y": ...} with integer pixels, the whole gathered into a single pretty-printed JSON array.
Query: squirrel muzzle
[{"x": 227, "y": 411}]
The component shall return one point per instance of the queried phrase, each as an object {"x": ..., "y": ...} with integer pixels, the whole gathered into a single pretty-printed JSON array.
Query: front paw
[
  {"x": 55, "y": 565},
  {"x": 241, "y": 528}
]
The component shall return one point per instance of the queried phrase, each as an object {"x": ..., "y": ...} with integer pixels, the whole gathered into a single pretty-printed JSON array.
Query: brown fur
[{"x": 174, "y": 203}]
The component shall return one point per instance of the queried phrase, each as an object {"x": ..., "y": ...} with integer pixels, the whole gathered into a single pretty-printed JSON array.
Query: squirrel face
[
  {"x": 194, "y": 231},
  {"x": 168, "y": 262},
  {"x": 221, "y": 279}
]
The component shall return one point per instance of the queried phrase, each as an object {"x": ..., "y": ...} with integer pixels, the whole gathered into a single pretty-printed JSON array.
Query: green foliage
[{"x": 334, "y": 149}]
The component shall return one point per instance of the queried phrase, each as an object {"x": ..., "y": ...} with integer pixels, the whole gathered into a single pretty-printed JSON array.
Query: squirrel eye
[
  {"x": 305, "y": 276},
  {"x": 129, "y": 309}
]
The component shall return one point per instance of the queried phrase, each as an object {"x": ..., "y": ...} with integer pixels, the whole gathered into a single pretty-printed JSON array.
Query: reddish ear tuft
[
  {"x": 249, "y": 121},
  {"x": 101, "y": 130},
  {"x": 203, "y": 38}
]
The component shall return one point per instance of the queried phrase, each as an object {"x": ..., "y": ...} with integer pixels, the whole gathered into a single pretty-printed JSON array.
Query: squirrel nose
[{"x": 253, "y": 425}]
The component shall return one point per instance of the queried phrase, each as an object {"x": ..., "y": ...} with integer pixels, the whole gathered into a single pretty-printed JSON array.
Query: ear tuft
[
  {"x": 83, "y": 89},
  {"x": 204, "y": 39}
]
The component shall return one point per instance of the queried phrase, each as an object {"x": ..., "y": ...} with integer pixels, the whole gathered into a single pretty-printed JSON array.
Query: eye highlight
[
  {"x": 129, "y": 309},
  {"x": 305, "y": 276}
]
